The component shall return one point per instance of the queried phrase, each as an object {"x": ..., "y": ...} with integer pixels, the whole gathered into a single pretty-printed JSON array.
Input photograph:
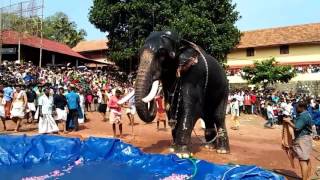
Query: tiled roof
[
  {"x": 299, "y": 34},
  {"x": 12, "y": 37},
  {"x": 94, "y": 45}
]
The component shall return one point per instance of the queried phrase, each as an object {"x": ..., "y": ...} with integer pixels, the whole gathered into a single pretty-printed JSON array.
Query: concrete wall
[
  {"x": 297, "y": 53},
  {"x": 312, "y": 87}
]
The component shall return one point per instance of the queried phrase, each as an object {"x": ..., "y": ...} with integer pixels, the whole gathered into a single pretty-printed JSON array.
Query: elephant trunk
[{"x": 146, "y": 107}]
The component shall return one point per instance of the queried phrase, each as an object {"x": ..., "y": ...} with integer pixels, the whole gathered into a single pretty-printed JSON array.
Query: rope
[
  {"x": 317, "y": 171},
  {"x": 195, "y": 168},
  {"x": 318, "y": 156},
  {"x": 173, "y": 122},
  {"x": 196, "y": 47},
  {"x": 212, "y": 140},
  {"x": 224, "y": 175},
  {"x": 207, "y": 71}
]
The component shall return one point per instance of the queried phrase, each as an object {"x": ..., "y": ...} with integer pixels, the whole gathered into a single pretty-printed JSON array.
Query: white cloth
[
  {"x": 17, "y": 109},
  {"x": 289, "y": 109},
  {"x": 46, "y": 103},
  {"x": 2, "y": 112},
  {"x": 82, "y": 105},
  {"x": 115, "y": 117},
  {"x": 99, "y": 94},
  {"x": 31, "y": 107},
  {"x": 18, "y": 106},
  {"x": 270, "y": 112},
  {"x": 47, "y": 124},
  {"x": 235, "y": 108},
  {"x": 131, "y": 110},
  {"x": 36, "y": 115},
  {"x": 61, "y": 114}
]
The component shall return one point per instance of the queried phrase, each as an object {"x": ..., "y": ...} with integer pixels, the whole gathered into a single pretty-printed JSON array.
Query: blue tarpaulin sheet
[{"x": 55, "y": 157}]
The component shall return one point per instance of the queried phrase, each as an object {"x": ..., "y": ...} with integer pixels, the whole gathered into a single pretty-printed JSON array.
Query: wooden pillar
[{"x": 53, "y": 59}]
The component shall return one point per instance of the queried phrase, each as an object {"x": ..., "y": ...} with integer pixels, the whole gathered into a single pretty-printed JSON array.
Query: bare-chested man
[{"x": 18, "y": 107}]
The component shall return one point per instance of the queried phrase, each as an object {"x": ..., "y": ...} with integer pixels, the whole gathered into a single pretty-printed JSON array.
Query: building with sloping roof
[
  {"x": 52, "y": 51},
  {"x": 294, "y": 45},
  {"x": 96, "y": 50},
  {"x": 297, "y": 45}
]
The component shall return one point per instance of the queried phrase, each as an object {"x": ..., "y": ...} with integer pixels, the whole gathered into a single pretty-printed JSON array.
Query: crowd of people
[
  {"x": 50, "y": 95},
  {"x": 301, "y": 112},
  {"x": 272, "y": 105},
  {"x": 307, "y": 69},
  {"x": 299, "y": 69}
]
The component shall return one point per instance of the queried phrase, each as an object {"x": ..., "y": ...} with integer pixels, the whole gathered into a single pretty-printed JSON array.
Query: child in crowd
[
  {"x": 270, "y": 115},
  {"x": 235, "y": 114},
  {"x": 161, "y": 114}
]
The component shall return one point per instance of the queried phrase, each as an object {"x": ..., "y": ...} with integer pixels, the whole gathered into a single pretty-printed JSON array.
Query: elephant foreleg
[{"x": 190, "y": 112}]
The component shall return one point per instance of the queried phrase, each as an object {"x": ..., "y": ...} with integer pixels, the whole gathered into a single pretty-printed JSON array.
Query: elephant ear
[{"x": 187, "y": 43}]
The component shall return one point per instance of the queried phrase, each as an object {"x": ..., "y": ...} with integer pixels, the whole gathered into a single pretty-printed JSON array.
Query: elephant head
[{"x": 158, "y": 50}]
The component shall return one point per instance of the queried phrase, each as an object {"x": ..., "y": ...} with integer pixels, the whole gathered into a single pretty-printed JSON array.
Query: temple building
[
  {"x": 22, "y": 47},
  {"x": 298, "y": 46},
  {"x": 96, "y": 50}
]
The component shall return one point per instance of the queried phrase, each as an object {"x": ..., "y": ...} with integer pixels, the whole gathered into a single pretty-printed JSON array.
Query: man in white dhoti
[
  {"x": 18, "y": 106},
  {"x": 46, "y": 121}
]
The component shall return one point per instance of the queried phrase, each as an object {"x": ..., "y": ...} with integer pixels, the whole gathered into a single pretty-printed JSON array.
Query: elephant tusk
[
  {"x": 152, "y": 93},
  {"x": 126, "y": 98}
]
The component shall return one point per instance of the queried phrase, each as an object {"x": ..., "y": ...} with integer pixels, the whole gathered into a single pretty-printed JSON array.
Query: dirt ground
[{"x": 252, "y": 144}]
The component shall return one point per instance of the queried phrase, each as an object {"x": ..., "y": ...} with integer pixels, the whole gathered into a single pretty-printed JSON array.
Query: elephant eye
[{"x": 162, "y": 51}]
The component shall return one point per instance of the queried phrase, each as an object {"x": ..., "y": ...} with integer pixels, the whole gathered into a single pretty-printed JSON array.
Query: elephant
[{"x": 194, "y": 86}]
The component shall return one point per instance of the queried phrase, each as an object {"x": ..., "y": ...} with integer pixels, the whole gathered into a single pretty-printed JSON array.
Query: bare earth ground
[{"x": 252, "y": 144}]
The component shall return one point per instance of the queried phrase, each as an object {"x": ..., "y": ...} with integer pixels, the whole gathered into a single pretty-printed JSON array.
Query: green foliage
[
  {"x": 21, "y": 24},
  {"x": 208, "y": 23},
  {"x": 57, "y": 27},
  {"x": 268, "y": 72}
]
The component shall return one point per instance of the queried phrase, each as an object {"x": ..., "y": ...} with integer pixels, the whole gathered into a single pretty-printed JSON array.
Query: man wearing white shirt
[
  {"x": 46, "y": 121},
  {"x": 240, "y": 98},
  {"x": 270, "y": 115}
]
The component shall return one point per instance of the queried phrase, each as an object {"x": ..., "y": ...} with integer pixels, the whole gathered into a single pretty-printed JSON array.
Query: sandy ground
[{"x": 252, "y": 144}]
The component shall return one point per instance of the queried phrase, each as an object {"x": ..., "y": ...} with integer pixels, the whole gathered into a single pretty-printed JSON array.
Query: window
[
  {"x": 284, "y": 49},
  {"x": 250, "y": 51}
]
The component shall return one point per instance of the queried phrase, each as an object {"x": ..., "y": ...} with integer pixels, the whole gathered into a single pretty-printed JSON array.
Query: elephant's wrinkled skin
[{"x": 202, "y": 88}]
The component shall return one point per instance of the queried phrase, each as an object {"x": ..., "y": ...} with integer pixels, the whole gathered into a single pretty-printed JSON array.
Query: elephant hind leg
[
  {"x": 216, "y": 128},
  {"x": 222, "y": 135}
]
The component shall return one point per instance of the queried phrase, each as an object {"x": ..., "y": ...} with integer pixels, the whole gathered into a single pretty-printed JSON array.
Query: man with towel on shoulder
[{"x": 18, "y": 107}]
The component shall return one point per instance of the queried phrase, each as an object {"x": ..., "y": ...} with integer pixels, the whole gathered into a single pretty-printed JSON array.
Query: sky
[{"x": 255, "y": 14}]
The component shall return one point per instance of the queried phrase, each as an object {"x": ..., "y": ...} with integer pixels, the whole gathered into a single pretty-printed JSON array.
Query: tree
[
  {"x": 268, "y": 72},
  {"x": 208, "y": 23},
  {"x": 25, "y": 25},
  {"x": 59, "y": 28}
]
